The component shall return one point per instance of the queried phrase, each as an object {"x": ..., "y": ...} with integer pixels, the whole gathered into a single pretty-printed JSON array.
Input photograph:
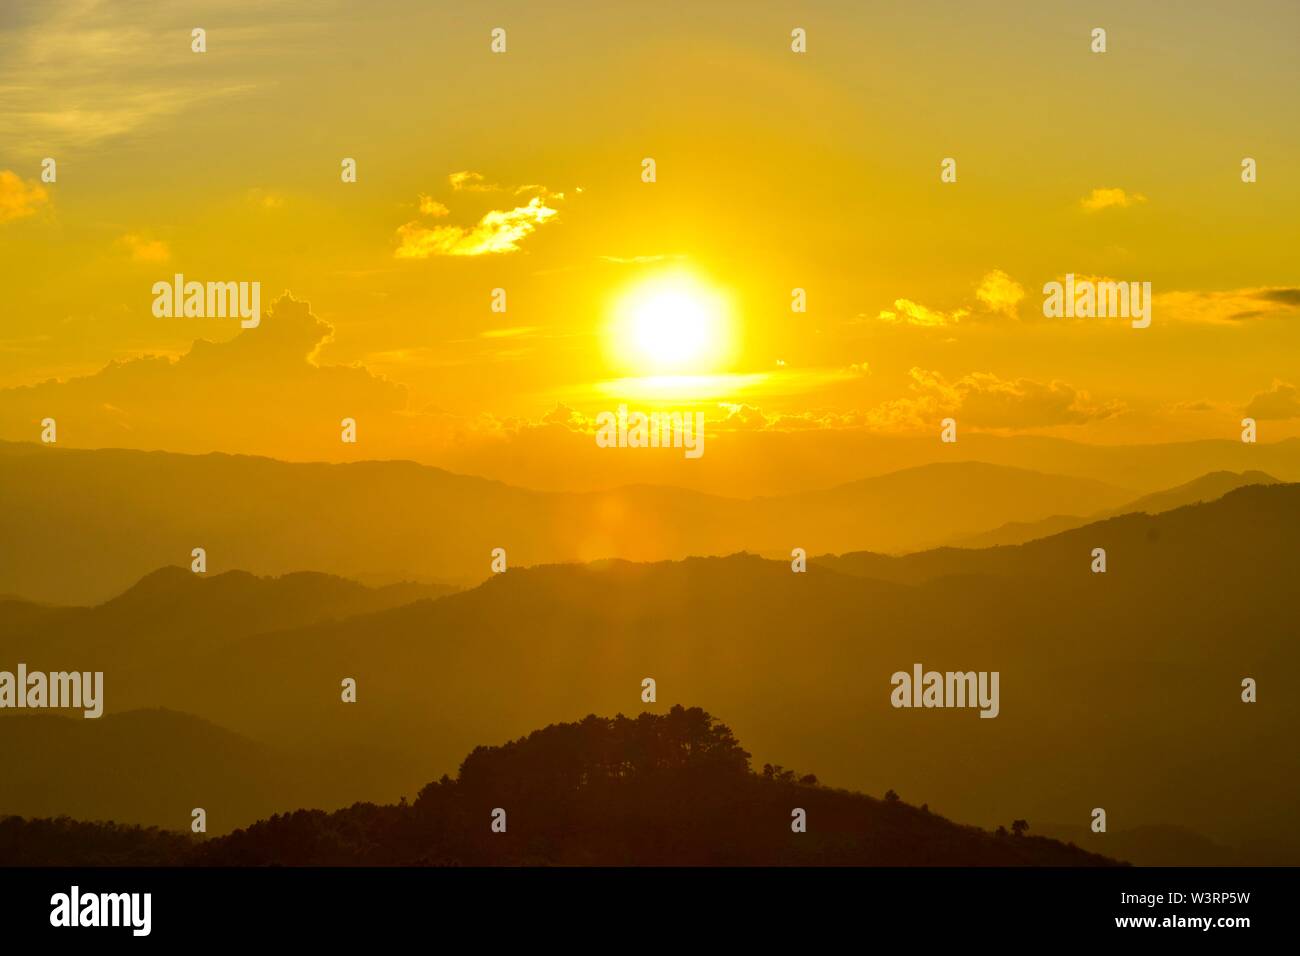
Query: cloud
[
  {"x": 1195, "y": 405},
  {"x": 263, "y": 391},
  {"x": 19, "y": 199},
  {"x": 431, "y": 207},
  {"x": 467, "y": 181},
  {"x": 987, "y": 400},
  {"x": 499, "y": 231},
  {"x": 734, "y": 417},
  {"x": 984, "y": 400},
  {"x": 471, "y": 182},
  {"x": 1288, "y": 297},
  {"x": 571, "y": 419},
  {"x": 913, "y": 313},
  {"x": 1282, "y": 400},
  {"x": 142, "y": 249},
  {"x": 542, "y": 191},
  {"x": 1229, "y": 306},
  {"x": 1110, "y": 198},
  {"x": 742, "y": 417},
  {"x": 76, "y": 73},
  {"x": 998, "y": 292}
]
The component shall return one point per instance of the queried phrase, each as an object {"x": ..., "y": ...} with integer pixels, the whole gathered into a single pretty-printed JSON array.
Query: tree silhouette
[{"x": 657, "y": 789}]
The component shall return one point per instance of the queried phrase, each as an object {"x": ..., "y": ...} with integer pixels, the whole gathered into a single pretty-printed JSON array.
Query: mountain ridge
[
  {"x": 658, "y": 788},
  {"x": 132, "y": 512},
  {"x": 1207, "y": 487}
]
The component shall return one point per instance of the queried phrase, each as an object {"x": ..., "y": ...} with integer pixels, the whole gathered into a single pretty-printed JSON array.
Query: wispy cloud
[
  {"x": 498, "y": 231},
  {"x": 996, "y": 294},
  {"x": 143, "y": 249},
  {"x": 914, "y": 313},
  {"x": 1110, "y": 197},
  {"x": 78, "y": 72},
  {"x": 18, "y": 198},
  {"x": 1230, "y": 306},
  {"x": 467, "y": 181}
]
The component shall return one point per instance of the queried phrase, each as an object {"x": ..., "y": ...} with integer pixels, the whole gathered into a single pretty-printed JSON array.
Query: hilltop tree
[
  {"x": 563, "y": 758},
  {"x": 658, "y": 789}
]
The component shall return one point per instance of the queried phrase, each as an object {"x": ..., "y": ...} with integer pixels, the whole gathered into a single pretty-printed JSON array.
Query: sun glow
[{"x": 670, "y": 324}]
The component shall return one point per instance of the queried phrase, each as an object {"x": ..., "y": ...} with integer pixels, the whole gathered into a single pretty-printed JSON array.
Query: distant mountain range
[
  {"x": 1206, "y": 488},
  {"x": 173, "y": 611},
  {"x": 81, "y": 526},
  {"x": 746, "y": 463},
  {"x": 1118, "y": 690},
  {"x": 753, "y": 462}
]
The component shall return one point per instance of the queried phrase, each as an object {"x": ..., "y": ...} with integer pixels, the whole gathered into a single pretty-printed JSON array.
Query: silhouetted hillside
[
  {"x": 1206, "y": 488},
  {"x": 1093, "y": 668},
  {"x": 61, "y": 841},
  {"x": 670, "y": 789}
]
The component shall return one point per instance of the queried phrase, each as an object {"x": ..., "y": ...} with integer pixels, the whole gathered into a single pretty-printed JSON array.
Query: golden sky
[{"x": 523, "y": 171}]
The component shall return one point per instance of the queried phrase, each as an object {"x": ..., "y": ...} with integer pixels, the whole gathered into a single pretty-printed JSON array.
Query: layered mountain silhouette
[
  {"x": 1206, "y": 488},
  {"x": 773, "y": 461},
  {"x": 156, "y": 766},
  {"x": 81, "y": 526},
  {"x": 173, "y": 611},
  {"x": 135, "y": 766},
  {"x": 673, "y": 788},
  {"x": 1119, "y": 690}
]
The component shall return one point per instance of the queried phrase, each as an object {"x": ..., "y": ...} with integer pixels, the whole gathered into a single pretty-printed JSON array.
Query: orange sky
[{"x": 522, "y": 171}]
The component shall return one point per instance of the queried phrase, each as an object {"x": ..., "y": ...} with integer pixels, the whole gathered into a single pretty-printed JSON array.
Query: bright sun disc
[{"x": 670, "y": 324}]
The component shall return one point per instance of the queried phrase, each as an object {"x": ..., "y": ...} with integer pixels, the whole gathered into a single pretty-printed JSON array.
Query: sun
[
  {"x": 672, "y": 323},
  {"x": 670, "y": 327}
]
